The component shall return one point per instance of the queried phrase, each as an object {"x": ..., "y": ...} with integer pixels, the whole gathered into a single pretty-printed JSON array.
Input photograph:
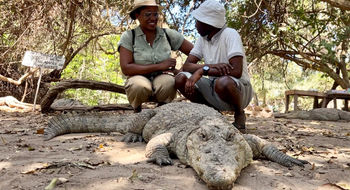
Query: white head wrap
[{"x": 211, "y": 12}]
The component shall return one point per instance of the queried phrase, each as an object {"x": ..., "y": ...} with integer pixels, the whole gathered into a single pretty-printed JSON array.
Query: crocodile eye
[{"x": 203, "y": 135}]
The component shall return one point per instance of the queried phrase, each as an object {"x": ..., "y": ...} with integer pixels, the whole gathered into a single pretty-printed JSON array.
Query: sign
[{"x": 35, "y": 59}]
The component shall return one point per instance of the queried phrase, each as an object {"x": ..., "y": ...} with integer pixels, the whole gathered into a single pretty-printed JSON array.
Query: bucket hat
[
  {"x": 211, "y": 12},
  {"x": 141, "y": 3}
]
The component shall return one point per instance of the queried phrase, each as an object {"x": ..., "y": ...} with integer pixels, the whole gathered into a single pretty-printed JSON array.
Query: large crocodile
[{"x": 200, "y": 136}]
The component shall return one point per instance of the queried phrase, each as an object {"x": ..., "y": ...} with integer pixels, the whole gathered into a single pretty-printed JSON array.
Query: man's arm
[
  {"x": 234, "y": 69},
  {"x": 191, "y": 64},
  {"x": 237, "y": 66}
]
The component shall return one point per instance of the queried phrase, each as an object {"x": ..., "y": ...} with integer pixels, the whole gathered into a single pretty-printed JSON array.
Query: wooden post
[
  {"x": 287, "y": 103},
  {"x": 295, "y": 102},
  {"x": 37, "y": 88},
  {"x": 324, "y": 102},
  {"x": 315, "y": 103}
]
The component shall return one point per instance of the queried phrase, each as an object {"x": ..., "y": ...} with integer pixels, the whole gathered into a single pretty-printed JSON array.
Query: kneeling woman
[{"x": 145, "y": 57}]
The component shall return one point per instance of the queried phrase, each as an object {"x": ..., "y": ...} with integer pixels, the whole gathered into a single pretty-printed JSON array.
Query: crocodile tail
[
  {"x": 64, "y": 124},
  {"x": 261, "y": 147},
  {"x": 97, "y": 122}
]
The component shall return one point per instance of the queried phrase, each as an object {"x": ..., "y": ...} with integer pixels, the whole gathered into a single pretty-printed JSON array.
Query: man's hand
[
  {"x": 223, "y": 68},
  {"x": 189, "y": 87}
]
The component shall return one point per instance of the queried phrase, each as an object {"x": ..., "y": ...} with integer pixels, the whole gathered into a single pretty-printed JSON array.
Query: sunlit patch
[
  {"x": 31, "y": 168},
  {"x": 124, "y": 154},
  {"x": 5, "y": 165},
  {"x": 315, "y": 123}
]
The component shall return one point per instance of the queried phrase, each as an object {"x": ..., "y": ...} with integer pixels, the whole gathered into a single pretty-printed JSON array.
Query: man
[{"x": 227, "y": 86}]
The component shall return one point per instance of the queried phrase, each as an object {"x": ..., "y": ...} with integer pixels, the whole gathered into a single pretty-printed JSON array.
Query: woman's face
[{"x": 148, "y": 17}]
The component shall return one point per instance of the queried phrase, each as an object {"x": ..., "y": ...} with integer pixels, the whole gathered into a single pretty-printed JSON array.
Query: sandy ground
[{"x": 101, "y": 161}]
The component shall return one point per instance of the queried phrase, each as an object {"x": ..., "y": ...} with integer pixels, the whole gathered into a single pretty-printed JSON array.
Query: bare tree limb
[
  {"x": 69, "y": 59},
  {"x": 323, "y": 67},
  {"x": 19, "y": 81},
  {"x": 70, "y": 29},
  {"x": 341, "y": 4},
  {"x": 257, "y": 9}
]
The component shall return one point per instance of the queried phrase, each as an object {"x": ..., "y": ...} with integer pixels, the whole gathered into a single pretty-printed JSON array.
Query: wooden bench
[
  {"x": 296, "y": 93},
  {"x": 331, "y": 95},
  {"x": 334, "y": 95}
]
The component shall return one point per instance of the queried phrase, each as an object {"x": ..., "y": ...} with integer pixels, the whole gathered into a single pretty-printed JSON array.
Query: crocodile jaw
[{"x": 218, "y": 152}]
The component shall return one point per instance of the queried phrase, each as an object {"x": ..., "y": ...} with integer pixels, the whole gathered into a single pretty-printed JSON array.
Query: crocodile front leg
[
  {"x": 156, "y": 149},
  {"x": 261, "y": 147}
]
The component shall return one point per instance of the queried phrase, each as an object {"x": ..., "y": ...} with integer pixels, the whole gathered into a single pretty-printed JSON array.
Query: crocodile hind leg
[
  {"x": 132, "y": 137},
  {"x": 156, "y": 149},
  {"x": 261, "y": 147}
]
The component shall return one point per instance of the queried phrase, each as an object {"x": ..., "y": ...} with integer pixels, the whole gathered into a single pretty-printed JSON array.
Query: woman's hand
[{"x": 168, "y": 65}]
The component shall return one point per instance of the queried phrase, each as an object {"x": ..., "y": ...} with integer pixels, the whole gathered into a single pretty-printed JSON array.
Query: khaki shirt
[{"x": 144, "y": 53}]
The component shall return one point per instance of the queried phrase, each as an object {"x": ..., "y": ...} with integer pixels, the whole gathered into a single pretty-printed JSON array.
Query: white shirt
[{"x": 223, "y": 45}]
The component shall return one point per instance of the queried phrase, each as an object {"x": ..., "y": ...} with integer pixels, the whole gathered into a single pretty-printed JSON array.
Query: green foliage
[
  {"x": 273, "y": 76},
  {"x": 98, "y": 62},
  {"x": 296, "y": 44},
  {"x": 311, "y": 33}
]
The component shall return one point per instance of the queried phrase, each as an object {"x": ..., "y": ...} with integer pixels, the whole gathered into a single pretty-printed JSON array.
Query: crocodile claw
[
  {"x": 293, "y": 161},
  {"x": 160, "y": 160},
  {"x": 132, "y": 137}
]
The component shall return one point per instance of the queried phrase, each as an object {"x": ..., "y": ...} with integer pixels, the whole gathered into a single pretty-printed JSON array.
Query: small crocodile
[{"x": 198, "y": 135}]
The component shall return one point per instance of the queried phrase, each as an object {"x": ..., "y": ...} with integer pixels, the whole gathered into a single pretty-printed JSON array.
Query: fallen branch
[
  {"x": 11, "y": 104},
  {"x": 52, "y": 94},
  {"x": 107, "y": 107}
]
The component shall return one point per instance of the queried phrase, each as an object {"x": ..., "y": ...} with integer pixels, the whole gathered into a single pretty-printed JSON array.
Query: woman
[{"x": 145, "y": 57}]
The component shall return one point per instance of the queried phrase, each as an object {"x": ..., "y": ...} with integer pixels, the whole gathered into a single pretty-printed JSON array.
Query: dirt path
[{"x": 101, "y": 161}]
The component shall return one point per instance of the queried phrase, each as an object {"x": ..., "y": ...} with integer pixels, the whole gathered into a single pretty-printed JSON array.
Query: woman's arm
[
  {"x": 186, "y": 47},
  {"x": 129, "y": 68}
]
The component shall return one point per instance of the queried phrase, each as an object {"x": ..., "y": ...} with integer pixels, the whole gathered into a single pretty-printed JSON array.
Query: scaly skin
[{"x": 199, "y": 135}]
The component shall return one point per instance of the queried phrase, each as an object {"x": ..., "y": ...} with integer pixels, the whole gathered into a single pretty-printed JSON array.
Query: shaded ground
[{"x": 100, "y": 161}]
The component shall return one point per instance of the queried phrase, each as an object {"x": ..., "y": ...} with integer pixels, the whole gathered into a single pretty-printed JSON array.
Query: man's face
[{"x": 202, "y": 28}]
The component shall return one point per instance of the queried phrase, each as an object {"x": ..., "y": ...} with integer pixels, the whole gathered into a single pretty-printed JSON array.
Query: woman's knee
[{"x": 138, "y": 85}]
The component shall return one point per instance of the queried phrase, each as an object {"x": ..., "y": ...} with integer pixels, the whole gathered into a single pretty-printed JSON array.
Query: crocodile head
[{"x": 217, "y": 152}]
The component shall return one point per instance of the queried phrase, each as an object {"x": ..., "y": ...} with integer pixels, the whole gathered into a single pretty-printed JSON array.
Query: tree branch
[
  {"x": 20, "y": 80},
  {"x": 319, "y": 67},
  {"x": 70, "y": 29},
  {"x": 69, "y": 59},
  {"x": 341, "y": 4},
  {"x": 62, "y": 86}
]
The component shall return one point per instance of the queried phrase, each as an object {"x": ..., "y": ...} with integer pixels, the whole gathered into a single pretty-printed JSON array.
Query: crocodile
[{"x": 198, "y": 135}]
